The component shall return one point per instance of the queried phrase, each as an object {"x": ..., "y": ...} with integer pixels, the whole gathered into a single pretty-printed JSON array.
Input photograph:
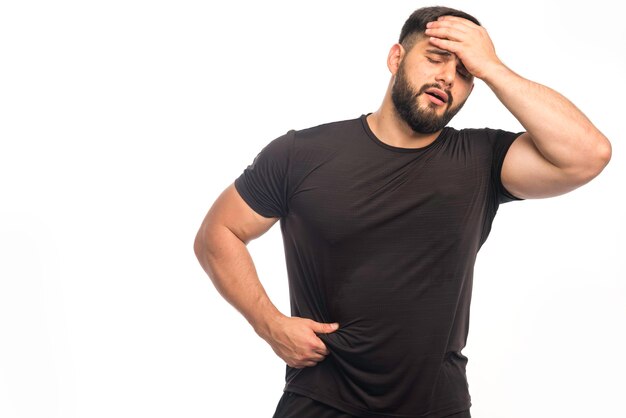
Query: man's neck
[{"x": 391, "y": 129}]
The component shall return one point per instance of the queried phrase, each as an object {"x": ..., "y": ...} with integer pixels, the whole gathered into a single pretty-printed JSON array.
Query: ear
[{"x": 396, "y": 54}]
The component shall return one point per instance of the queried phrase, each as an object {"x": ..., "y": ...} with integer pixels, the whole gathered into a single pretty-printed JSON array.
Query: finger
[
  {"x": 324, "y": 328},
  {"x": 316, "y": 357},
  {"x": 450, "y": 33},
  {"x": 446, "y": 44},
  {"x": 448, "y": 24},
  {"x": 457, "y": 19},
  {"x": 303, "y": 364},
  {"x": 322, "y": 350}
]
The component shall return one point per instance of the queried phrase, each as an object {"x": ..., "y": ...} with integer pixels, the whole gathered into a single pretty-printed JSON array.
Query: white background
[{"x": 122, "y": 121}]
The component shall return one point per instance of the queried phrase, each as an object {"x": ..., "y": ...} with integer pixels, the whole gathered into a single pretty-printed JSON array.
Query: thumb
[{"x": 324, "y": 328}]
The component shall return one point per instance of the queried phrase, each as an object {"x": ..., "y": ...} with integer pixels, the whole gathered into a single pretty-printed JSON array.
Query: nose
[{"x": 447, "y": 74}]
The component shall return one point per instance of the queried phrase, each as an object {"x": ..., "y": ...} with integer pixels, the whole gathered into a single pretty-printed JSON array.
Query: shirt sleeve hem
[
  {"x": 503, "y": 189},
  {"x": 241, "y": 188}
]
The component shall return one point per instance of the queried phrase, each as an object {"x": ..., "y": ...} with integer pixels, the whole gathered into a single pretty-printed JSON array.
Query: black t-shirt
[{"x": 382, "y": 240}]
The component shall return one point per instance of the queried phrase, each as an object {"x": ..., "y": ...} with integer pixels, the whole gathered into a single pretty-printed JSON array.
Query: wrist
[
  {"x": 496, "y": 74},
  {"x": 265, "y": 323}
]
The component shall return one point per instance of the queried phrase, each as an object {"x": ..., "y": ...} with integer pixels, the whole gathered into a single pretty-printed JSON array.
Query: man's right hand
[{"x": 293, "y": 339}]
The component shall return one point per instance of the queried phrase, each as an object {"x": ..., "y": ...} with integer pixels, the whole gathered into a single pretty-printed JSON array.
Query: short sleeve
[
  {"x": 501, "y": 141},
  {"x": 264, "y": 183}
]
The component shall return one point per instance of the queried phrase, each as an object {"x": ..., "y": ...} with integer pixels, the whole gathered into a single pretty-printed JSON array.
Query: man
[{"x": 382, "y": 217}]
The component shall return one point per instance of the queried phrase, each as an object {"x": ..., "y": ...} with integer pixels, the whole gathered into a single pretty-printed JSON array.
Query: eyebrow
[{"x": 439, "y": 52}]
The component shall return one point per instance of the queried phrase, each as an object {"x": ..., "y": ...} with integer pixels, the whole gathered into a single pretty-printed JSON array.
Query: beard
[{"x": 422, "y": 120}]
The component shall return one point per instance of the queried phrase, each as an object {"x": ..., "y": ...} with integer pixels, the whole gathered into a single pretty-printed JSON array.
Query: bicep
[
  {"x": 528, "y": 175},
  {"x": 231, "y": 211}
]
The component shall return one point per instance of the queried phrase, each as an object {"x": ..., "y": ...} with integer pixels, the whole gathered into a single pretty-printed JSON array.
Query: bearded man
[{"x": 382, "y": 217}]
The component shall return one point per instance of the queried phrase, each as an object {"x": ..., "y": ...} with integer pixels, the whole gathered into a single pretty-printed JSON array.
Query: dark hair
[{"x": 415, "y": 25}]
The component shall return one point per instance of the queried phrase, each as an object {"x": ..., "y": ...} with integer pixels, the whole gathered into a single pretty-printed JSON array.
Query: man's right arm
[{"x": 220, "y": 246}]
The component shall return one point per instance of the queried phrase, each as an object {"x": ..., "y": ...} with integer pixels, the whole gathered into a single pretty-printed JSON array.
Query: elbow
[
  {"x": 596, "y": 161},
  {"x": 606, "y": 151},
  {"x": 209, "y": 239},
  {"x": 201, "y": 244},
  {"x": 198, "y": 245},
  {"x": 603, "y": 155}
]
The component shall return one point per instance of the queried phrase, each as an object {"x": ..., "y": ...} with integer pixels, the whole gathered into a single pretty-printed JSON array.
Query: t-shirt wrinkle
[{"x": 385, "y": 244}]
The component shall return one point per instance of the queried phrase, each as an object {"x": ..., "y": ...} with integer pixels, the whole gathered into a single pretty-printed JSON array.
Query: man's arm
[
  {"x": 220, "y": 246},
  {"x": 560, "y": 150}
]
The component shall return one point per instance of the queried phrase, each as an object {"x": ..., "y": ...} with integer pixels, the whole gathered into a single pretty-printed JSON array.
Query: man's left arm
[{"x": 561, "y": 149}]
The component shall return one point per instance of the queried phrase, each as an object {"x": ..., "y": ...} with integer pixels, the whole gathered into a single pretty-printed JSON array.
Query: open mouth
[
  {"x": 435, "y": 98},
  {"x": 440, "y": 95}
]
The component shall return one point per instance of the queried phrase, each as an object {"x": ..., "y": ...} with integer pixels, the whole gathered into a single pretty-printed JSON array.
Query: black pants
[{"x": 293, "y": 405}]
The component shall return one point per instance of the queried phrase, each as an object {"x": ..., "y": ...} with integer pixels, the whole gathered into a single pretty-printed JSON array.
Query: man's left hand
[{"x": 469, "y": 41}]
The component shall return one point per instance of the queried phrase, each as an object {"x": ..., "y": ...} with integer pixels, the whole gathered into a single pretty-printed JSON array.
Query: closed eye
[
  {"x": 464, "y": 73},
  {"x": 461, "y": 70}
]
